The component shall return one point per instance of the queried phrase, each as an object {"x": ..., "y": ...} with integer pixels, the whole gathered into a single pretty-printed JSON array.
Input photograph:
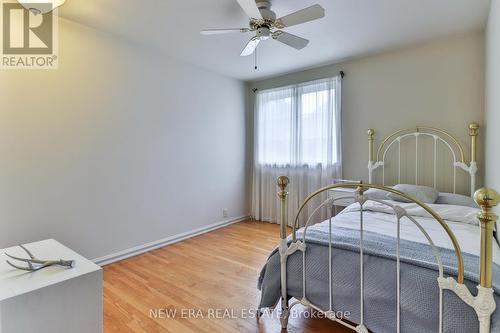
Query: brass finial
[
  {"x": 371, "y": 133},
  {"x": 487, "y": 198},
  {"x": 283, "y": 182},
  {"x": 473, "y": 129}
]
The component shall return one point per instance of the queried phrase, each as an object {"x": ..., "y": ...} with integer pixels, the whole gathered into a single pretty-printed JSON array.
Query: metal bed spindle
[{"x": 361, "y": 272}]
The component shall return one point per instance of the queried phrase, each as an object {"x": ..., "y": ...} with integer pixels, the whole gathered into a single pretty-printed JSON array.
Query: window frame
[{"x": 296, "y": 93}]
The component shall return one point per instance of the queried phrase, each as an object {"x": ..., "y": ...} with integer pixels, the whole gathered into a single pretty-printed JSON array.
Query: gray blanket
[{"x": 419, "y": 288}]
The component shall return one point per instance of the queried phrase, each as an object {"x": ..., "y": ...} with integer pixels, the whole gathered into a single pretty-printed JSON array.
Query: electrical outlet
[{"x": 225, "y": 212}]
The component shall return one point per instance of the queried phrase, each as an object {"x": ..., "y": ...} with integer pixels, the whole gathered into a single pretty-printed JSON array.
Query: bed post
[
  {"x": 371, "y": 135},
  {"x": 473, "y": 133},
  {"x": 283, "y": 248},
  {"x": 484, "y": 304}
]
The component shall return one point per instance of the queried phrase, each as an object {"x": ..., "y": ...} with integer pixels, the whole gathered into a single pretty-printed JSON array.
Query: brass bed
[{"x": 483, "y": 303}]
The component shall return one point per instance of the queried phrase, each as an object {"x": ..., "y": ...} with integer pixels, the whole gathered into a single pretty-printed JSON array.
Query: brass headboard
[{"x": 439, "y": 136}]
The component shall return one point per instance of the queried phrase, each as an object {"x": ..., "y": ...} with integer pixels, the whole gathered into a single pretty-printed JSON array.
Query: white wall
[
  {"x": 437, "y": 84},
  {"x": 493, "y": 97},
  {"x": 118, "y": 147}
]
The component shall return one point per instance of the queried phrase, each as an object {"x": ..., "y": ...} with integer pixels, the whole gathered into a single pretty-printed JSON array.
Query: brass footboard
[{"x": 483, "y": 303}]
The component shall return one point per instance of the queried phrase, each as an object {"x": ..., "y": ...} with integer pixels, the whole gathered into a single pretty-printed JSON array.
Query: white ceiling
[{"x": 351, "y": 28}]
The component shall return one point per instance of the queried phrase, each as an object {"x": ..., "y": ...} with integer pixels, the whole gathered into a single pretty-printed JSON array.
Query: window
[{"x": 299, "y": 125}]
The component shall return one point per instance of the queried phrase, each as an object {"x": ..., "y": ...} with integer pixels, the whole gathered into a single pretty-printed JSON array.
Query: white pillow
[
  {"x": 455, "y": 199},
  {"x": 376, "y": 194},
  {"x": 426, "y": 194}
]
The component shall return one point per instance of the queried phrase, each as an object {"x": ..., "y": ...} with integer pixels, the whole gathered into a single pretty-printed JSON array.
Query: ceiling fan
[{"x": 264, "y": 23}]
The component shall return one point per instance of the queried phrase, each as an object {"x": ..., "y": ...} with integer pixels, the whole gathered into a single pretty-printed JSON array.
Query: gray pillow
[
  {"x": 423, "y": 193},
  {"x": 376, "y": 194},
  {"x": 455, "y": 199}
]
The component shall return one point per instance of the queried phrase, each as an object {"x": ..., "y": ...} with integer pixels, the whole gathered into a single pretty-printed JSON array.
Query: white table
[
  {"x": 54, "y": 299},
  {"x": 344, "y": 196}
]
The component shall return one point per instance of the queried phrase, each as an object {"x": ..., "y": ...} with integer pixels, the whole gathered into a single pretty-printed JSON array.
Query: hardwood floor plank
[{"x": 209, "y": 281}]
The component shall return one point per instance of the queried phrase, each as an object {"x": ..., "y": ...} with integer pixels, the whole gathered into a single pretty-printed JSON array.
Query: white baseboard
[{"x": 114, "y": 257}]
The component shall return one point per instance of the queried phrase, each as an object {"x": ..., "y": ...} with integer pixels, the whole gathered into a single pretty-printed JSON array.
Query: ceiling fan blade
[
  {"x": 250, "y": 47},
  {"x": 250, "y": 8},
  {"x": 291, "y": 40},
  {"x": 305, "y": 15},
  {"x": 223, "y": 31}
]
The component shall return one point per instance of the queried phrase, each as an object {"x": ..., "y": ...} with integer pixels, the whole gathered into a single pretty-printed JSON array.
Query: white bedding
[{"x": 380, "y": 218}]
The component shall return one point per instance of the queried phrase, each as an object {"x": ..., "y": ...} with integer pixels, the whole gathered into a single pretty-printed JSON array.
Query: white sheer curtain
[{"x": 297, "y": 134}]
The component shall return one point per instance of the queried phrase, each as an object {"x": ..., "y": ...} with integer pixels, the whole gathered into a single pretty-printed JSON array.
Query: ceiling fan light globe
[{"x": 263, "y": 33}]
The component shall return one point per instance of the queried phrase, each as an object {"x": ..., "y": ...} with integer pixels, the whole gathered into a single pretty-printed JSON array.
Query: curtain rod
[{"x": 342, "y": 74}]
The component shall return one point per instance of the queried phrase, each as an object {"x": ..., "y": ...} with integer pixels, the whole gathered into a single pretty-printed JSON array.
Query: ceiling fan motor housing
[
  {"x": 263, "y": 4},
  {"x": 265, "y": 9}
]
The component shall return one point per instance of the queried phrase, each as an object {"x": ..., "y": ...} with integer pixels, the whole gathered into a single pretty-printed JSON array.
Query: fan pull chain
[{"x": 255, "y": 54}]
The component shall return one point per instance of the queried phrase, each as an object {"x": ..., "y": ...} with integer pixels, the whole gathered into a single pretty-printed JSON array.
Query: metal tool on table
[{"x": 34, "y": 264}]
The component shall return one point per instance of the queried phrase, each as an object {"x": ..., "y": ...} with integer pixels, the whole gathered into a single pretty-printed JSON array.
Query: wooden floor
[{"x": 196, "y": 280}]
